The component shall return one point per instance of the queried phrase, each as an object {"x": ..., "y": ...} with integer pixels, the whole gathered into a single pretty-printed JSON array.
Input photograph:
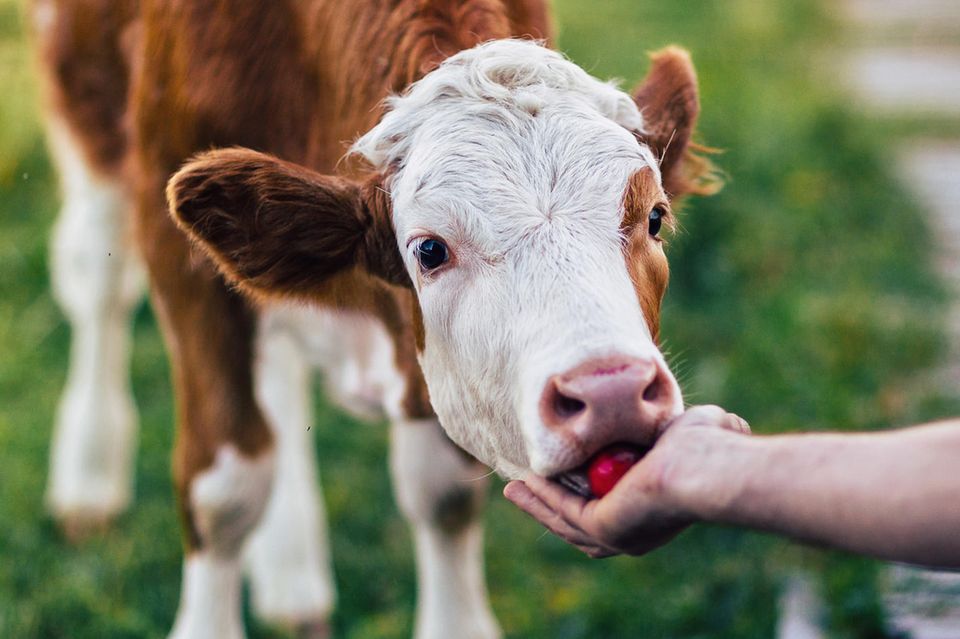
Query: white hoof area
[
  {"x": 91, "y": 458},
  {"x": 209, "y": 599},
  {"x": 471, "y": 628},
  {"x": 79, "y": 490},
  {"x": 88, "y": 503},
  {"x": 313, "y": 630},
  {"x": 77, "y": 528},
  {"x": 297, "y": 600},
  {"x": 100, "y": 504}
]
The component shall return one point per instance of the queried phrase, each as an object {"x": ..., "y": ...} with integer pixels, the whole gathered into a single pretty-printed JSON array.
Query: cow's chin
[{"x": 505, "y": 453}]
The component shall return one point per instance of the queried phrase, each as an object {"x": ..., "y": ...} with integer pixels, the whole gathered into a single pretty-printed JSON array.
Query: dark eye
[
  {"x": 656, "y": 220},
  {"x": 431, "y": 253}
]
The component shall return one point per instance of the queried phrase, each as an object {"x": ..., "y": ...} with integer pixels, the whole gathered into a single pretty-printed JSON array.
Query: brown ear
[
  {"x": 277, "y": 228},
  {"x": 670, "y": 104}
]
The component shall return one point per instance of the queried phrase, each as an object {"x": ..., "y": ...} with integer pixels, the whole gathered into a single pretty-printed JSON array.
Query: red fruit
[{"x": 608, "y": 466}]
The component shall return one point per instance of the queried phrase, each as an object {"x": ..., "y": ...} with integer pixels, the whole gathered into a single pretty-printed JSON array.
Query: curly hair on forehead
[{"x": 510, "y": 75}]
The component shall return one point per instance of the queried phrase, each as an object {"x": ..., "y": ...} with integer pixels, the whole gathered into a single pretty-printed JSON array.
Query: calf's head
[{"x": 523, "y": 201}]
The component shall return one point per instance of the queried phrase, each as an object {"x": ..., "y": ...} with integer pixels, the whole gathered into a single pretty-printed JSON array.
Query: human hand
[{"x": 653, "y": 502}]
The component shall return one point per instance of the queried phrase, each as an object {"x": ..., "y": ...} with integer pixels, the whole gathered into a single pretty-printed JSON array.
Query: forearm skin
[{"x": 893, "y": 495}]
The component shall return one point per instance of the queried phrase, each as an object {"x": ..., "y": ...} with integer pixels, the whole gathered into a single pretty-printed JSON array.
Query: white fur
[
  {"x": 452, "y": 596},
  {"x": 519, "y": 160},
  {"x": 209, "y": 599},
  {"x": 288, "y": 557},
  {"x": 228, "y": 498},
  {"x": 97, "y": 281},
  {"x": 226, "y": 501},
  {"x": 356, "y": 356}
]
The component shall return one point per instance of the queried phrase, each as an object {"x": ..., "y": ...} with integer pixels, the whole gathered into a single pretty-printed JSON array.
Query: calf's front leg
[
  {"x": 288, "y": 557},
  {"x": 441, "y": 492},
  {"x": 223, "y": 459}
]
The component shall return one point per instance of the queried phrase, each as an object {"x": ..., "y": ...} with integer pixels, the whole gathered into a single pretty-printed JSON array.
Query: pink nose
[{"x": 609, "y": 400}]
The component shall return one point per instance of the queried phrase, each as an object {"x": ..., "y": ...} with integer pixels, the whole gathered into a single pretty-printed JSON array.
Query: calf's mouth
[{"x": 582, "y": 480}]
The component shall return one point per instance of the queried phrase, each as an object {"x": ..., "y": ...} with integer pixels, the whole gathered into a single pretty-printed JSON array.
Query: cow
[{"x": 457, "y": 224}]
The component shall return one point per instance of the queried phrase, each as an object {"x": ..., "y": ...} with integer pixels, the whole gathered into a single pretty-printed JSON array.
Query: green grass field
[{"x": 802, "y": 298}]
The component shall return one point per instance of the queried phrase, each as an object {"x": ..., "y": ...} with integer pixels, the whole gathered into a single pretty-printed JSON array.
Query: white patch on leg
[
  {"x": 452, "y": 592},
  {"x": 98, "y": 281},
  {"x": 288, "y": 556},
  {"x": 209, "y": 599},
  {"x": 226, "y": 500},
  {"x": 427, "y": 470}
]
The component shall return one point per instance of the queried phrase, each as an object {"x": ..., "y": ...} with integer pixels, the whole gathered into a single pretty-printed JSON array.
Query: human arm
[{"x": 893, "y": 495}]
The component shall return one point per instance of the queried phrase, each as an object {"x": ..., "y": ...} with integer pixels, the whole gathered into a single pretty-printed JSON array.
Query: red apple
[{"x": 608, "y": 466}]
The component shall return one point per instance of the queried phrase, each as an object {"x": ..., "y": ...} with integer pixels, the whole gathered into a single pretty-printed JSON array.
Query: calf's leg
[
  {"x": 223, "y": 503},
  {"x": 223, "y": 457},
  {"x": 441, "y": 492},
  {"x": 288, "y": 557},
  {"x": 223, "y": 460},
  {"x": 98, "y": 282}
]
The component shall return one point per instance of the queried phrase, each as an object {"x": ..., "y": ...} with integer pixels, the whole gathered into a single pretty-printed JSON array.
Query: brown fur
[
  {"x": 646, "y": 261},
  {"x": 86, "y": 63},
  {"x": 276, "y": 228},
  {"x": 670, "y": 104}
]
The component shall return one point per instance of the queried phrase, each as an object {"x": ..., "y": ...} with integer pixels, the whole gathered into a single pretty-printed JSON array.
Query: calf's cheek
[{"x": 650, "y": 274}]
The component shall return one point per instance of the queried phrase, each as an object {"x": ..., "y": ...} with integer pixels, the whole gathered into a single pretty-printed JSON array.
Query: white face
[{"x": 526, "y": 193}]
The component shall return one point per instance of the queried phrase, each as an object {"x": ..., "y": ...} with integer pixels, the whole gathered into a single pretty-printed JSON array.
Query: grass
[{"x": 802, "y": 297}]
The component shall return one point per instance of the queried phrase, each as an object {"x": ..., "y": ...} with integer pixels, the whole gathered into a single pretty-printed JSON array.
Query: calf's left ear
[
  {"x": 670, "y": 103},
  {"x": 278, "y": 229}
]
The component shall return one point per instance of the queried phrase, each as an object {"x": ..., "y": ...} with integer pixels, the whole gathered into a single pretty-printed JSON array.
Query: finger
[
  {"x": 705, "y": 415},
  {"x": 520, "y": 494},
  {"x": 574, "y": 509},
  {"x": 712, "y": 416},
  {"x": 584, "y": 515},
  {"x": 559, "y": 499},
  {"x": 602, "y": 521},
  {"x": 740, "y": 424},
  {"x": 598, "y": 552},
  {"x": 735, "y": 423}
]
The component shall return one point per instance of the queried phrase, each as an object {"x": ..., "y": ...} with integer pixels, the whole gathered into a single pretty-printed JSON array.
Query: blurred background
[{"x": 814, "y": 292}]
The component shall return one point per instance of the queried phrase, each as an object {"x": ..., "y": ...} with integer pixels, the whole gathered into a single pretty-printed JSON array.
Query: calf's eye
[
  {"x": 656, "y": 220},
  {"x": 431, "y": 254}
]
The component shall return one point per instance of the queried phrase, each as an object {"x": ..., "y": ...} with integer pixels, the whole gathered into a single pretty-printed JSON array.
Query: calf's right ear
[{"x": 279, "y": 229}]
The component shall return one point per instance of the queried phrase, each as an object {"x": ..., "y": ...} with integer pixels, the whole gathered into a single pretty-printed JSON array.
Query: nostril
[
  {"x": 565, "y": 407},
  {"x": 653, "y": 391},
  {"x": 559, "y": 405}
]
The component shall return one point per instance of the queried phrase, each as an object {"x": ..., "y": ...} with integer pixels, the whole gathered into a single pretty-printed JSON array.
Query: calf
[{"x": 484, "y": 267}]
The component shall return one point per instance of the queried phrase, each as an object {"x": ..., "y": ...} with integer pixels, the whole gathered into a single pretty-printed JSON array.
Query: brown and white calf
[{"x": 484, "y": 268}]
